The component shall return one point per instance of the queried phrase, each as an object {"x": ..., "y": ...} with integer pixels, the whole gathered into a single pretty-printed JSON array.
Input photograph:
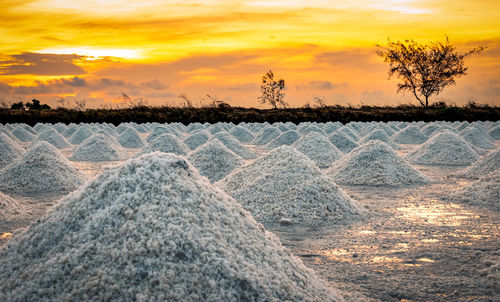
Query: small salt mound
[
  {"x": 242, "y": 134},
  {"x": 98, "y": 147},
  {"x": 462, "y": 126},
  {"x": 381, "y": 135},
  {"x": 410, "y": 135},
  {"x": 9, "y": 208},
  {"x": 214, "y": 160},
  {"x": 285, "y": 139},
  {"x": 319, "y": 149},
  {"x": 122, "y": 127},
  {"x": 22, "y": 135},
  {"x": 444, "y": 148},
  {"x": 140, "y": 128},
  {"x": 476, "y": 138},
  {"x": 72, "y": 128},
  {"x": 7, "y": 132},
  {"x": 376, "y": 164},
  {"x": 286, "y": 184},
  {"x": 160, "y": 130},
  {"x": 304, "y": 130},
  {"x": 495, "y": 132},
  {"x": 430, "y": 129},
  {"x": 130, "y": 138},
  {"x": 196, "y": 139},
  {"x": 9, "y": 150},
  {"x": 40, "y": 127},
  {"x": 60, "y": 127},
  {"x": 349, "y": 132},
  {"x": 266, "y": 135},
  {"x": 485, "y": 165},
  {"x": 342, "y": 141},
  {"x": 41, "y": 169},
  {"x": 193, "y": 127},
  {"x": 53, "y": 137},
  {"x": 484, "y": 192},
  {"x": 232, "y": 144},
  {"x": 331, "y": 127},
  {"x": 215, "y": 128},
  {"x": 153, "y": 230},
  {"x": 167, "y": 143},
  {"x": 281, "y": 127}
]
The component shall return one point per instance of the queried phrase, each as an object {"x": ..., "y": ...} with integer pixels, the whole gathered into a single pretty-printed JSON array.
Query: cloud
[
  {"x": 320, "y": 85},
  {"x": 243, "y": 87},
  {"x": 42, "y": 64},
  {"x": 155, "y": 84}
]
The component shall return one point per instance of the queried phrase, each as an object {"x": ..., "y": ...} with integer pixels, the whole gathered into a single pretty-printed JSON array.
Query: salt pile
[
  {"x": 476, "y": 138},
  {"x": 159, "y": 130},
  {"x": 444, "y": 148},
  {"x": 304, "y": 130},
  {"x": 495, "y": 132},
  {"x": 39, "y": 127},
  {"x": 214, "y": 161},
  {"x": 347, "y": 130},
  {"x": 242, "y": 134},
  {"x": 410, "y": 135},
  {"x": 130, "y": 138},
  {"x": 215, "y": 128},
  {"x": 152, "y": 230},
  {"x": 285, "y": 139},
  {"x": 98, "y": 147},
  {"x": 41, "y": 169},
  {"x": 381, "y": 135},
  {"x": 232, "y": 144},
  {"x": 140, "y": 128},
  {"x": 53, "y": 137},
  {"x": 342, "y": 141},
  {"x": 22, "y": 135},
  {"x": 60, "y": 127},
  {"x": 72, "y": 128},
  {"x": 330, "y": 127},
  {"x": 9, "y": 150},
  {"x": 430, "y": 128},
  {"x": 484, "y": 192},
  {"x": 122, "y": 127},
  {"x": 196, "y": 139},
  {"x": 376, "y": 164},
  {"x": 9, "y": 208},
  {"x": 266, "y": 135},
  {"x": 193, "y": 127},
  {"x": 7, "y": 132},
  {"x": 285, "y": 184},
  {"x": 485, "y": 165},
  {"x": 167, "y": 143},
  {"x": 319, "y": 149}
]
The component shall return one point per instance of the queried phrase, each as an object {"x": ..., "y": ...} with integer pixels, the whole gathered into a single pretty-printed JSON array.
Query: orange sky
[{"x": 97, "y": 50}]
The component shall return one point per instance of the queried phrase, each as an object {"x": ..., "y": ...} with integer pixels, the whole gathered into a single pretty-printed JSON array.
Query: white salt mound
[
  {"x": 430, "y": 128},
  {"x": 286, "y": 184},
  {"x": 376, "y": 164},
  {"x": 242, "y": 134},
  {"x": 72, "y": 128},
  {"x": 483, "y": 166},
  {"x": 484, "y": 192},
  {"x": 196, "y": 139},
  {"x": 495, "y": 132},
  {"x": 53, "y": 137},
  {"x": 266, "y": 135},
  {"x": 152, "y": 230},
  {"x": 9, "y": 208},
  {"x": 410, "y": 135},
  {"x": 476, "y": 138},
  {"x": 304, "y": 130},
  {"x": 22, "y": 135},
  {"x": 9, "y": 150},
  {"x": 444, "y": 148},
  {"x": 342, "y": 141},
  {"x": 214, "y": 161},
  {"x": 160, "y": 130},
  {"x": 41, "y": 169},
  {"x": 330, "y": 127},
  {"x": 319, "y": 149},
  {"x": 232, "y": 144},
  {"x": 381, "y": 135},
  {"x": 167, "y": 143},
  {"x": 285, "y": 139},
  {"x": 98, "y": 147},
  {"x": 130, "y": 138}
]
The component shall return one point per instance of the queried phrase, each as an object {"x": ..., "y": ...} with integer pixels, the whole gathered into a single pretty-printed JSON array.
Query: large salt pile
[
  {"x": 242, "y": 134},
  {"x": 22, "y": 135},
  {"x": 152, "y": 230},
  {"x": 285, "y": 139},
  {"x": 41, "y": 169},
  {"x": 98, "y": 147},
  {"x": 285, "y": 184},
  {"x": 319, "y": 149},
  {"x": 232, "y": 144},
  {"x": 444, "y": 148},
  {"x": 9, "y": 150},
  {"x": 7, "y": 132},
  {"x": 167, "y": 143},
  {"x": 130, "y": 138},
  {"x": 495, "y": 132},
  {"x": 410, "y": 135},
  {"x": 266, "y": 135},
  {"x": 483, "y": 166},
  {"x": 376, "y": 164},
  {"x": 342, "y": 141},
  {"x": 484, "y": 192},
  {"x": 9, "y": 208},
  {"x": 53, "y": 137},
  {"x": 476, "y": 138},
  {"x": 196, "y": 139},
  {"x": 214, "y": 160}
]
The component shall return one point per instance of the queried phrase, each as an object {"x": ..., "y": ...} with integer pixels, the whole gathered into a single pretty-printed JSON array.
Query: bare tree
[
  {"x": 272, "y": 91},
  {"x": 425, "y": 69}
]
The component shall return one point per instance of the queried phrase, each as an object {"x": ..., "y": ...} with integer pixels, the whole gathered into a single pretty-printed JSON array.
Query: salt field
[{"x": 364, "y": 211}]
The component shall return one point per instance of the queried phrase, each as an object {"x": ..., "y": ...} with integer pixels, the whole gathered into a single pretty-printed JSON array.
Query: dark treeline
[{"x": 236, "y": 115}]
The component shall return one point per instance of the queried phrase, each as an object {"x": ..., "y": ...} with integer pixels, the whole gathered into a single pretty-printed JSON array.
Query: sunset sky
[{"x": 156, "y": 49}]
